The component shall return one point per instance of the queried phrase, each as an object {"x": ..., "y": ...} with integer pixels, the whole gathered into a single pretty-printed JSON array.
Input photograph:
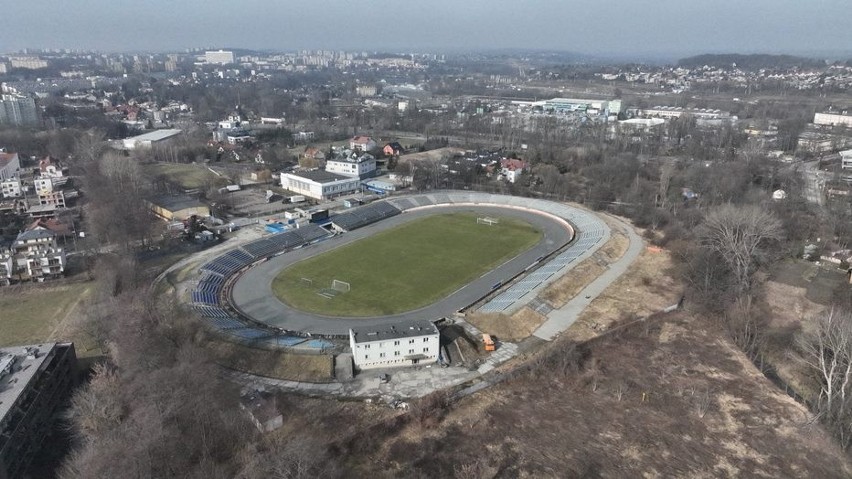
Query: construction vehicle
[{"x": 489, "y": 343}]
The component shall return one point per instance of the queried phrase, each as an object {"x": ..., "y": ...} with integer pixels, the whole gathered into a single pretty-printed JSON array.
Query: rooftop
[
  {"x": 6, "y": 158},
  {"x": 176, "y": 202},
  {"x": 320, "y": 176},
  {"x": 156, "y": 135},
  {"x": 407, "y": 329},
  {"x": 18, "y": 366},
  {"x": 35, "y": 234}
]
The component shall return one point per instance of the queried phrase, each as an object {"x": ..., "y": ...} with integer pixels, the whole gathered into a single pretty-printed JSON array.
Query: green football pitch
[{"x": 405, "y": 268}]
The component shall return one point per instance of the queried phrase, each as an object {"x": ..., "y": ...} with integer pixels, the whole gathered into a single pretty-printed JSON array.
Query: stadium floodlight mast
[{"x": 341, "y": 286}]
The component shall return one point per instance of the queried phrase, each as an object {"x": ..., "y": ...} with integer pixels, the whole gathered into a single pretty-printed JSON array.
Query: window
[
  {"x": 396, "y": 343},
  {"x": 396, "y": 353},
  {"x": 410, "y": 341},
  {"x": 366, "y": 346},
  {"x": 425, "y": 350},
  {"x": 381, "y": 355},
  {"x": 425, "y": 340},
  {"x": 410, "y": 351},
  {"x": 366, "y": 356}
]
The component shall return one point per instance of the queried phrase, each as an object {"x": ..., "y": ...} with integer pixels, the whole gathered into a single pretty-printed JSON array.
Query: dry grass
[
  {"x": 35, "y": 313},
  {"x": 789, "y": 312},
  {"x": 566, "y": 287},
  {"x": 431, "y": 155},
  {"x": 273, "y": 363},
  {"x": 644, "y": 289},
  {"x": 689, "y": 406},
  {"x": 507, "y": 327}
]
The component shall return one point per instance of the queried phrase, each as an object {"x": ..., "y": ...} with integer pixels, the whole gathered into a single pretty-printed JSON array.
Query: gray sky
[{"x": 607, "y": 27}]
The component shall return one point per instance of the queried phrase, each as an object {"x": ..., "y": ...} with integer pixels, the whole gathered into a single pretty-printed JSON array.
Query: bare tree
[
  {"x": 827, "y": 351},
  {"x": 740, "y": 235}
]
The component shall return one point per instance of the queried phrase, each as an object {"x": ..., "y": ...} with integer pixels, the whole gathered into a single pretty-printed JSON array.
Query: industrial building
[
  {"x": 177, "y": 207},
  {"x": 35, "y": 382},
  {"x": 833, "y": 119},
  {"x": 319, "y": 184},
  {"x": 150, "y": 139},
  {"x": 403, "y": 344}
]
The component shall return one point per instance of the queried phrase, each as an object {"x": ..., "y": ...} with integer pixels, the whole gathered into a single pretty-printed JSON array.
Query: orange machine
[{"x": 489, "y": 343}]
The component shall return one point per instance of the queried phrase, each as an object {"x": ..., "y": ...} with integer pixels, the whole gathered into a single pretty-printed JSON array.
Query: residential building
[
  {"x": 177, "y": 208},
  {"x": 366, "y": 90},
  {"x": 28, "y": 63},
  {"x": 48, "y": 168},
  {"x": 52, "y": 198},
  {"x": 10, "y": 165},
  {"x": 36, "y": 256},
  {"x": 12, "y": 187},
  {"x": 353, "y": 165},
  {"x": 393, "y": 149},
  {"x": 846, "y": 159},
  {"x": 319, "y": 184},
  {"x": 402, "y": 344},
  {"x": 150, "y": 139},
  {"x": 19, "y": 110},
  {"x": 362, "y": 143},
  {"x": 303, "y": 136},
  {"x": 43, "y": 186},
  {"x": 219, "y": 57},
  {"x": 833, "y": 119},
  {"x": 511, "y": 168},
  {"x": 35, "y": 382}
]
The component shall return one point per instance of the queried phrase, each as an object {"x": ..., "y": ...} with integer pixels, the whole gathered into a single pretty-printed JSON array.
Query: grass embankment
[
  {"x": 405, "y": 268},
  {"x": 33, "y": 313}
]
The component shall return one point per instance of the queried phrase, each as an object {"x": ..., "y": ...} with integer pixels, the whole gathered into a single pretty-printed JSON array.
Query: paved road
[
  {"x": 561, "y": 319},
  {"x": 252, "y": 294}
]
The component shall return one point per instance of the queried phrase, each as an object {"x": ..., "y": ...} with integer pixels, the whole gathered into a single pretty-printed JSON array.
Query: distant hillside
[{"x": 750, "y": 62}]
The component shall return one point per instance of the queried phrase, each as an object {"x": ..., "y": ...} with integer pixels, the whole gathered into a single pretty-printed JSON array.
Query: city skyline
[{"x": 618, "y": 28}]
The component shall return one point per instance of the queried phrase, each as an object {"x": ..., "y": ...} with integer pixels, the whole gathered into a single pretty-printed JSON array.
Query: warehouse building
[
  {"x": 150, "y": 139},
  {"x": 178, "y": 208}
]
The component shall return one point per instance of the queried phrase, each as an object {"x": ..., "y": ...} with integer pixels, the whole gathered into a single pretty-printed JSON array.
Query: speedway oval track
[{"x": 251, "y": 294}]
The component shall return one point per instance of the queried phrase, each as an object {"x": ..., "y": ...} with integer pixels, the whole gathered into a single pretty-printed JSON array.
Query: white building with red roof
[
  {"x": 362, "y": 143},
  {"x": 512, "y": 168}
]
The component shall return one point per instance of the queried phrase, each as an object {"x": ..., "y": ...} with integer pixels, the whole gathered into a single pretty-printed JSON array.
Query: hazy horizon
[{"x": 618, "y": 28}]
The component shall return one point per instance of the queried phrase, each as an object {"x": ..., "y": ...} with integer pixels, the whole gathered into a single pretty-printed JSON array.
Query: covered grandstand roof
[{"x": 364, "y": 216}]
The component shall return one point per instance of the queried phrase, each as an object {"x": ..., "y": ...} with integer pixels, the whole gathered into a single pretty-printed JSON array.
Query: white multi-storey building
[
  {"x": 319, "y": 184},
  {"x": 11, "y": 187},
  {"x": 846, "y": 159},
  {"x": 833, "y": 119},
  {"x": 356, "y": 166},
  {"x": 34, "y": 256},
  {"x": 43, "y": 185},
  {"x": 220, "y": 57},
  {"x": 403, "y": 344}
]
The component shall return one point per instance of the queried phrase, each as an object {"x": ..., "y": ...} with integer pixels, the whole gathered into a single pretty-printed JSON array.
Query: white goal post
[
  {"x": 487, "y": 221},
  {"x": 341, "y": 286}
]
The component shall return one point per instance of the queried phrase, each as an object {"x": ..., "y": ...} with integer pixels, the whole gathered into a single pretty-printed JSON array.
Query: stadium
[{"x": 303, "y": 287}]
